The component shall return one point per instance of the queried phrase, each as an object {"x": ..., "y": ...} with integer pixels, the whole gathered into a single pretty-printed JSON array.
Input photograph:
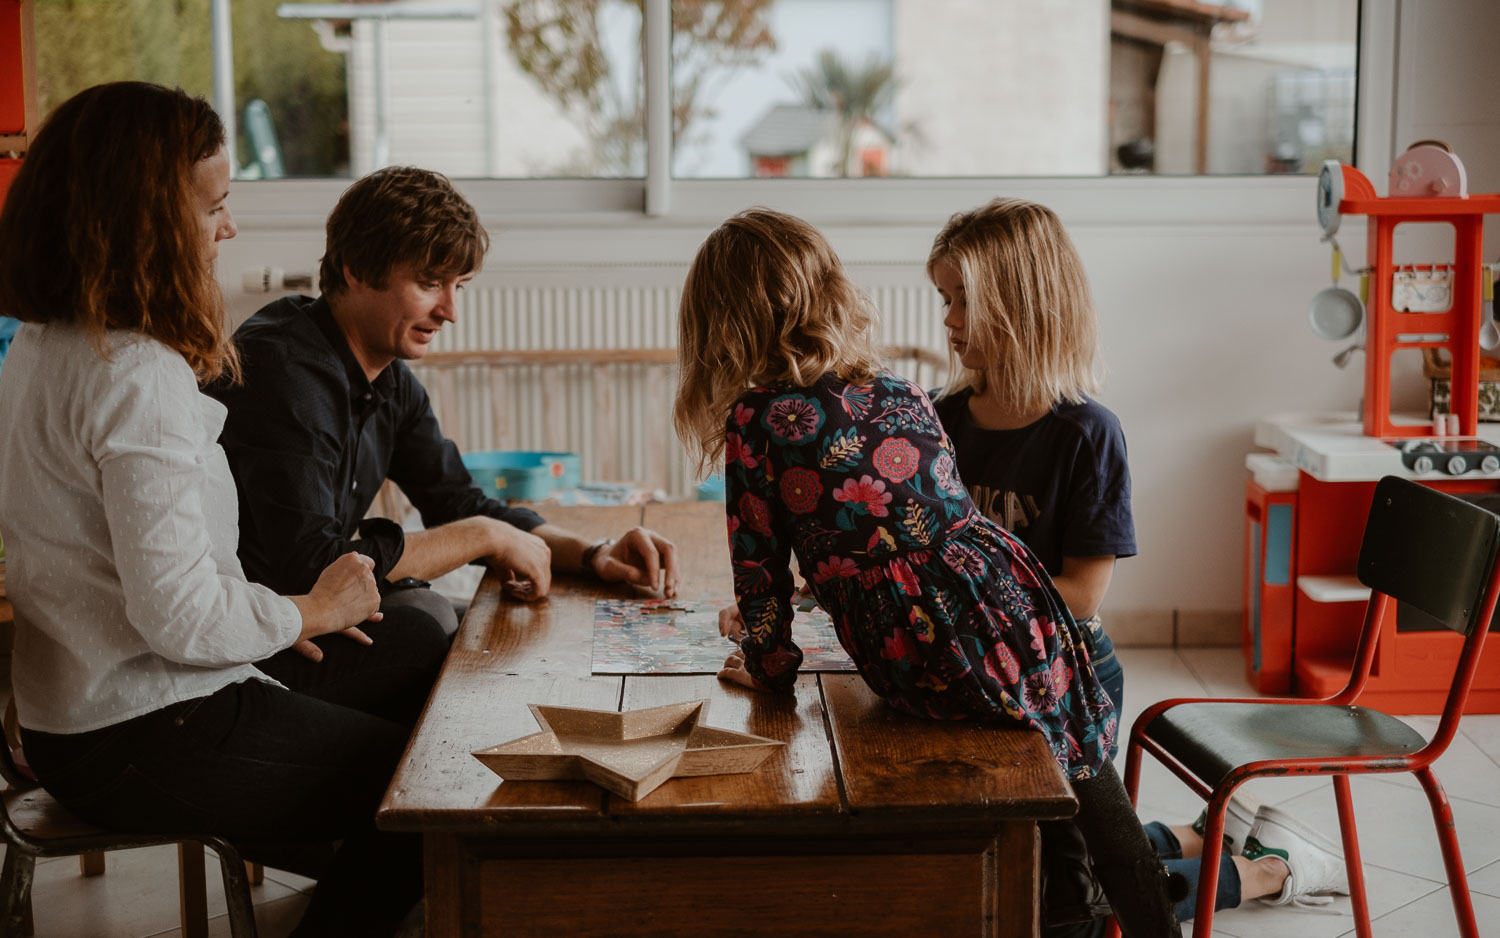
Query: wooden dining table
[{"x": 867, "y": 822}]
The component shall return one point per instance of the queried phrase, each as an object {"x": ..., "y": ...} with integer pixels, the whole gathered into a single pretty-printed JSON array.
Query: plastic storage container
[
  {"x": 522, "y": 476},
  {"x": 711, "y": 489}
]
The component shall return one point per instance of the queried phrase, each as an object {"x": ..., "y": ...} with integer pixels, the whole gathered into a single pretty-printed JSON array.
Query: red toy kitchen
[{"x": 1305, "y": 505}]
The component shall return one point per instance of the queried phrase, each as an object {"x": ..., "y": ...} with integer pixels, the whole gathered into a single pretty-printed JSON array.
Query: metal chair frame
[
  {"x": 35, "y": 825},
  {"x": 1408, "y": 554}
]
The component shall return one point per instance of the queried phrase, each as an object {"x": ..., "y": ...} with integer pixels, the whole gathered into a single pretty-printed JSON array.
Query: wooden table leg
[
  {"x": 1017, "y": 902},
  {"x": 444, "y": 894}
]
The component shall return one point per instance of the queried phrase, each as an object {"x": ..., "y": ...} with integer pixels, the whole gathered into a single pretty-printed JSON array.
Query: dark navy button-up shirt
[{"x": 310, "y": 441}]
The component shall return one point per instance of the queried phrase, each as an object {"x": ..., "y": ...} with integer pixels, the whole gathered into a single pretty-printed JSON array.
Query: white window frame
[{"x": 660, "y": 202}]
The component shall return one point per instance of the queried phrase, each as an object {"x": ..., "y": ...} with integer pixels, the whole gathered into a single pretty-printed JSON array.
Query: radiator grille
[{"x": 570, "y": 407}]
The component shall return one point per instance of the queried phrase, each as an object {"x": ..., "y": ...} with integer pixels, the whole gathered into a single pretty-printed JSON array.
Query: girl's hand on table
[
  {"x": 731, "y": 623},
  {"x": 734, "y": 671}
]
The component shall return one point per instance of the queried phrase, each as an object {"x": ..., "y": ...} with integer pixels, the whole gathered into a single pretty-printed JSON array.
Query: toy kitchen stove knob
[
  {"x": 1456, "y": 466},
  {"x": 1422, "y": 464},
  {"x": 1489, "y": 464}
]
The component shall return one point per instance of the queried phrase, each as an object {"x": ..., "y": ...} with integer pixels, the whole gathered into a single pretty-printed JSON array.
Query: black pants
[{"x": 266, "y": 767}]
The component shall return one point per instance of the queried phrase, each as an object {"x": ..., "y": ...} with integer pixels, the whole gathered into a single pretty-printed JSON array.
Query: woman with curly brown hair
[{"x": 136, "y": 632}]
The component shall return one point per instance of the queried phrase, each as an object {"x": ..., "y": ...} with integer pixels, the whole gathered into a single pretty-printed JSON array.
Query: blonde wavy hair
[
  {"x": 1030, "y": 311},
  {"x": 765, "y": 302}
]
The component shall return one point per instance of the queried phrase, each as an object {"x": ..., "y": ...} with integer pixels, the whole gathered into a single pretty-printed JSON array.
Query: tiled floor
[{"x": 138, "y": 896}]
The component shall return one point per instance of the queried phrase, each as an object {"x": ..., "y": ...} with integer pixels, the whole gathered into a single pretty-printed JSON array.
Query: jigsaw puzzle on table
[{"x": 660, "y": 636}]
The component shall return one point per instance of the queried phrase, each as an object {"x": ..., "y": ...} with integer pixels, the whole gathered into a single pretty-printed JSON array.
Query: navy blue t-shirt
[{"x": 1062, "y": 484}]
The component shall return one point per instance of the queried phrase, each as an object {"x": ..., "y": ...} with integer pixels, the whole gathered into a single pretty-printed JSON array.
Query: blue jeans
[
  {"x": 1227, "y": 892},
  {"x": 1111, "y": 677},
  {"x": 273, "y": 769}
]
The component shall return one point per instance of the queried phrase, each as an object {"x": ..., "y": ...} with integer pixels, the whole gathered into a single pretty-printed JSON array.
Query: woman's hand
[
  {"x": 344, "y": 596},
  {"x": 734, "y": 669}
]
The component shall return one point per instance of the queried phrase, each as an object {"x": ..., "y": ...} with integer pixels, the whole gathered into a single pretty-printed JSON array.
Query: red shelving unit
[{"x": 1388, "y": 330}]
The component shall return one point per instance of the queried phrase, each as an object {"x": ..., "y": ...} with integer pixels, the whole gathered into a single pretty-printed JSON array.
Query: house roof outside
[{"x": 788, "y": 130}]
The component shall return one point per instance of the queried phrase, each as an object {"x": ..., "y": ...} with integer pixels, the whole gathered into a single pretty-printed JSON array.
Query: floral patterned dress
[{"x": 946, "y": 615}]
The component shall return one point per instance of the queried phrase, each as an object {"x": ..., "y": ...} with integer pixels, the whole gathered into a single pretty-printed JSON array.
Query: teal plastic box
[{"x": 522, "y": 476}]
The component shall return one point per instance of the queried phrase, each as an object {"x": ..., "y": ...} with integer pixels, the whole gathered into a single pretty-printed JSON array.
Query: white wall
[{"x": 1202, "y": 284}]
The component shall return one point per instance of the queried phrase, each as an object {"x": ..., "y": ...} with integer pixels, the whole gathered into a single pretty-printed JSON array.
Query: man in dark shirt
[{"x": 328, "y": 410}]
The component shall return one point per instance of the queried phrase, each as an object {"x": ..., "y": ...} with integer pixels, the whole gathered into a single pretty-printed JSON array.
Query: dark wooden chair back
[{"x": 1430, "y": 550}]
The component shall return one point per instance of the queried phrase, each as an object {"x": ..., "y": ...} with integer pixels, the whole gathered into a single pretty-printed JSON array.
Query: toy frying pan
[{"x": 1336, "y": 313}]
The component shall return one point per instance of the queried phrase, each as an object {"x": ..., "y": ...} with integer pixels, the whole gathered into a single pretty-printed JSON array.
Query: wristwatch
[{"x": 592, "y": 551}]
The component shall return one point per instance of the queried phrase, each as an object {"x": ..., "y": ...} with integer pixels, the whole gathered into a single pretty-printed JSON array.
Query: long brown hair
[
  {"x": 765, "y": 302},
  {"x": 1030, "y": 312},
  {"x": 100, "y": 227}
]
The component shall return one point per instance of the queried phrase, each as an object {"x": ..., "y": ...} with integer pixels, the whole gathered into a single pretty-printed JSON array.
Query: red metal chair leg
[
  {"x": 1208, "y": 864},
  {"x": 1458, "y": 881},
  {"x": 1352, "y": 862}
]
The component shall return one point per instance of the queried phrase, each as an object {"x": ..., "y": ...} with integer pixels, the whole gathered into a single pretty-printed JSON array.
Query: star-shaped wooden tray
[{"x": 628, "y": 753}]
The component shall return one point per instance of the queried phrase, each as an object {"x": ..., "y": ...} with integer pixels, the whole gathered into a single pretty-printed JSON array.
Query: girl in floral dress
[{"x": 945, "y": 614}]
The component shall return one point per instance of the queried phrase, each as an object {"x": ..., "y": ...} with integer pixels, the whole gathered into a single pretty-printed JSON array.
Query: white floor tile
[
  {"x": 1465, "y": 770},
  {"x": 1221, "y": 671},
  {"x": 291, "y": 880},
  {"x": 137, "y": 895},
  {"x": 1486, "y": 880},
  {"x": 273, "y": 919},
  {"x": 1396, "y": 830},
  {"x": 1432, "y": 917}
]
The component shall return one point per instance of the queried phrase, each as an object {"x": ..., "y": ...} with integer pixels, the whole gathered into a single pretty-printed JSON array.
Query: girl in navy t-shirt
[{"x": 1045, "y": 461}]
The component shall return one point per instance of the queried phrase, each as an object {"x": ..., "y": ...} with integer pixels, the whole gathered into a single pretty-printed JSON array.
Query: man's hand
[
  {"x": 524, "y": 559},
  {"x": 642, "y": 557}
]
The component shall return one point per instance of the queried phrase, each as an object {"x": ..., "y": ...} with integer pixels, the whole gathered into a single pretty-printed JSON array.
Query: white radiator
[{"x": 566, "y": 407}]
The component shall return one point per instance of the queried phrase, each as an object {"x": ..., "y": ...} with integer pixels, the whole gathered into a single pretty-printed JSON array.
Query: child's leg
[
  {"x": 1251, "y": 879},
  {"x": 1176, "y": 856},
  {"x": 1124, "y": 860}
]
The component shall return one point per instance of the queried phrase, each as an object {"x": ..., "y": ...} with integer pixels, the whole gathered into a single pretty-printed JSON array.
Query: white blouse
[{"x": 120, "y": 523}]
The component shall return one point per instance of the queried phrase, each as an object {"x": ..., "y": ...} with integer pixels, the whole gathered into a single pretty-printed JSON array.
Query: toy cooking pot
[{"x": 1335, "y": 313}]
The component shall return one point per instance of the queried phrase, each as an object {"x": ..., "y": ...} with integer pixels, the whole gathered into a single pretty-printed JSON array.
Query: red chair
[{"x": 1428, "y": 550}]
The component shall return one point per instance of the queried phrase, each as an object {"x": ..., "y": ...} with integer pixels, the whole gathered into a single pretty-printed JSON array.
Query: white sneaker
[
  {"x": 1316, "y": 863},
  {"x": 1238, "y": 816}
]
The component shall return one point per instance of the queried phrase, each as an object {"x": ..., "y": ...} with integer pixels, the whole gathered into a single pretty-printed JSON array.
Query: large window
[
  {"x": 816, "y": 88},
  {"x": 1028, "y": 88}
]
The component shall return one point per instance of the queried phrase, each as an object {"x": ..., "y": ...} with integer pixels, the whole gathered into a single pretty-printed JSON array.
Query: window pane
[
  {"x": 279, "y": 63},
  {"x": 504, "y": 88},
  {"x": 1010, "y": 87}
]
